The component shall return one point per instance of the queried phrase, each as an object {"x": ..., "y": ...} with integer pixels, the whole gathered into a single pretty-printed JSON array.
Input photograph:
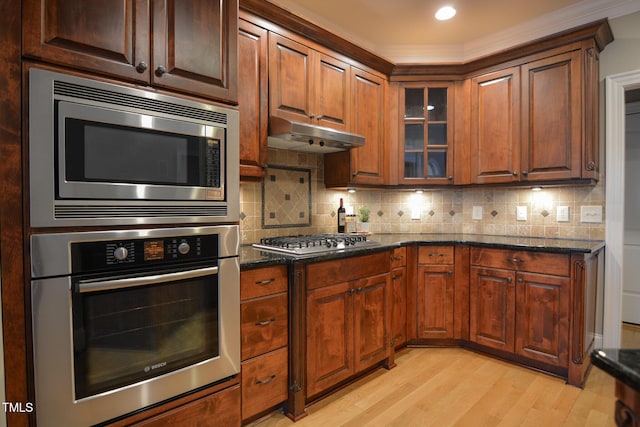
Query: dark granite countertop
[
  {"x": 622, "y": 364},
  {"x": 252, "y": 258}
]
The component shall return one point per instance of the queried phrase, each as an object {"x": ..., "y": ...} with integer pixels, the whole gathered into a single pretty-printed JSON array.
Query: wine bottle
[{"x": 342, "y": 217}]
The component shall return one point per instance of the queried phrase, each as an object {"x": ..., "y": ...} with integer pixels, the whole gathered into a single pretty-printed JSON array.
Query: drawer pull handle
[
  {"x": 396, "y": 258},
  {"x": 515, "y": 260},
  {"x": 265, "y": 282},
  {"x": 436, "y": 254},
  {"x": 266, "y": 381},
  {"x": 395, "y": 277},
  {"x": 266, "y": 322}
]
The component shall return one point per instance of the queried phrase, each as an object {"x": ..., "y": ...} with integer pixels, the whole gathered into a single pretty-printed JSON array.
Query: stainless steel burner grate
[{"x": 314, "y": 244}]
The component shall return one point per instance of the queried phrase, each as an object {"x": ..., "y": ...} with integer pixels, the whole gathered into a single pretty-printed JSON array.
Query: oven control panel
[{"x": 121, "y": 254}]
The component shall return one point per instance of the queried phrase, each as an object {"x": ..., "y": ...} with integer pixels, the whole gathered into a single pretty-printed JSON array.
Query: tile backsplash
[{"x": 436, "y": 211}]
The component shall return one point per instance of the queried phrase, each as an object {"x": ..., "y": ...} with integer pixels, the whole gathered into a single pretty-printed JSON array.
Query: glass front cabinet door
[{"x": 426, "y": 134}]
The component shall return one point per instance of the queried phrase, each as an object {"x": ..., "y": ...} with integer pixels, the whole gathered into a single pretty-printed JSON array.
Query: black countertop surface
[
  {"x": 253, "y": 258},
  {"x": 622, "y": 364}
]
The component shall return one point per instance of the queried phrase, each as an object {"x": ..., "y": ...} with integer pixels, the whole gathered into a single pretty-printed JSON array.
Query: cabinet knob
[
  {"x": 141, "y": 67},
  {"x": 312, "y": 116},
  {"x": 161, "y": 70},
  {"x": 320, "y": 117},
  {"x": 509, "y": 279},
  {"x": 525, "y": 173},
  {"x": 514, "y": 173},
  {"x": 450, "y": 178}
]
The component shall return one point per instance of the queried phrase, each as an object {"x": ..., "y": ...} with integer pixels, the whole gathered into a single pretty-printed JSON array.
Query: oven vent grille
[
  {"x": 110, "y": 211},
  {"x": 139, "y": 102}
]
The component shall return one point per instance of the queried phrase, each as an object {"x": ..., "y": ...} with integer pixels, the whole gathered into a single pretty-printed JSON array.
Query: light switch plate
[
  {"x": 562, "y": 214},
  {"x": 521, "y": 213},
  {"x": 591, "y": 214},
  {"x": 476, "y": 214},
  {"x": 415, "y": 213}
]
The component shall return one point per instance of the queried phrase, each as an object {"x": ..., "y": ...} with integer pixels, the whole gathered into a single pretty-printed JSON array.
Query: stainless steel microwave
[{"x": 108, "y": 154}]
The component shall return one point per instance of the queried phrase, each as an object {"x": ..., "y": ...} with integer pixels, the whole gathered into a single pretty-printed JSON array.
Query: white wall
[{"x": 619, "y": 70}]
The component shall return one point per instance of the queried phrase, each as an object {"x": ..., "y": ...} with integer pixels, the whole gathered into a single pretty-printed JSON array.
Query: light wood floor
[{"x": 456, "y": 387}]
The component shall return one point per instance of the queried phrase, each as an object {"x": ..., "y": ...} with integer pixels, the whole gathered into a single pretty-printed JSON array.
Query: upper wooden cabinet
[
  {"x": 495, "y": 126},
  {"x": 426, "y": 133},
  {"x": 306, "y": 85},
  {"x": 189, "y": 46},
  {"x": 362, "y": 165},
  {"x": 252, "y": 99},
  {"x": 531, "y": 123}
]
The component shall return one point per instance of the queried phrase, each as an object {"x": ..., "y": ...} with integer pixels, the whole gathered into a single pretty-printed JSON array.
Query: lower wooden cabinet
[
  {"x": 398, "y": 296},
  {"x": 346, "y": 330},
  {"x": 435, "y": 292},
  {"x": 519, "y": 307},
  {"x": 264, "y": 334},
  {"x": 264, "y": 382}
]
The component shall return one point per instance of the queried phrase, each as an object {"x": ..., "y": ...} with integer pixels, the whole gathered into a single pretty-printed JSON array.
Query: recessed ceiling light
[{"x": 444, "y": 13}]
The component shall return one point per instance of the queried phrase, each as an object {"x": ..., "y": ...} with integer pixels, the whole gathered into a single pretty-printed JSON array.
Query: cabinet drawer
[
  {"x": 264, "y": 382},
  {"x": 264, "y": 325},
  {"x": 263, "y": 281},
  {"x": 435, "y": 255},
  {"x": 327, "y": 273},
  {"x": 219, "y": 409},
  {"x": 536, "y": 262},
  {"x": 399, "y": 257}
]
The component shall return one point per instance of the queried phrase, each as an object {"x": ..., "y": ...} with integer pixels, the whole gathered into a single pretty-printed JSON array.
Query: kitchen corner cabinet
[
  {"x": 346, "y": 319},
  {"x": 306, "y": 85},
  {"x": 189, "y": 46},
  {"x": 531, "y": 122},
  {"x": 264, "y": 345},
  {"x": 252, "y": 98},
  {"x": 362, "y": 165},
  {"x": 520, "y": 303},
  {"x": 426, "y": 133}
]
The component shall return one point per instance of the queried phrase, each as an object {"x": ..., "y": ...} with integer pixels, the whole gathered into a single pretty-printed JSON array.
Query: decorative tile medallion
[{"x": 286, "y": 197}]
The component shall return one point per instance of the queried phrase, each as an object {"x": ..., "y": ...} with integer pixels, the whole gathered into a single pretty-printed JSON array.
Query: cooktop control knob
[
  {"x": 184, "y": 248},
  {"x": 120, "y": 253}
]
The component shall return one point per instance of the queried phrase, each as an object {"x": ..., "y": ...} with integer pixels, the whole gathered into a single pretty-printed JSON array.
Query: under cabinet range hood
[{"x": 298, "y": 136}]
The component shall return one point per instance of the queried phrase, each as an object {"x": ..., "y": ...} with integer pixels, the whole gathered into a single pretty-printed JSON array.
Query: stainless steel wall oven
[
  {"x": 126, "y": 319},
  {"x": 107, "y": 154}
]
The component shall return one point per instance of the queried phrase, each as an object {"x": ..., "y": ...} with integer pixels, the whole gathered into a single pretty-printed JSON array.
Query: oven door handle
[{"x": 129, "y": 282}]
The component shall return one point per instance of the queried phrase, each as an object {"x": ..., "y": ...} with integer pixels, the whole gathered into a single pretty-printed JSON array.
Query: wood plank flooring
[{"x": 456, "y": 387}]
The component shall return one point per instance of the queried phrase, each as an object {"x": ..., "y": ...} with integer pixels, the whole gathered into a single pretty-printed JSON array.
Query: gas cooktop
[{"x": 314, "y": 244}]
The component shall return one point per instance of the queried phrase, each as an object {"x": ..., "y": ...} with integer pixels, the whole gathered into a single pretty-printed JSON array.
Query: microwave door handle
[{"x": 104, "y": 285}]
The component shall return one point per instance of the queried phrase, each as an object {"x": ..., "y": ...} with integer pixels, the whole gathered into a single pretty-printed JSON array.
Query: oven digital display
[{"x": 153, "y": 250}]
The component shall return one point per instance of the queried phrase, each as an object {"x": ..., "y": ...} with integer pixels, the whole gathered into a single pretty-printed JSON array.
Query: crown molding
[{"x": 561, "y": 20}]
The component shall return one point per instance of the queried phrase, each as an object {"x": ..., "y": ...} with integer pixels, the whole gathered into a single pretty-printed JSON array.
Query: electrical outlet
[
  {"x": 521, "y": 213},
  {"x": 591, "y": 214},
  {"x": 562, "y": 214},
  {"x": 476, "y": 214}
]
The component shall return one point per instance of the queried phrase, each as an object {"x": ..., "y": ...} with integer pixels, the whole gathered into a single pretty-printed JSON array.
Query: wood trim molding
[{"x": 304, "y": 28}]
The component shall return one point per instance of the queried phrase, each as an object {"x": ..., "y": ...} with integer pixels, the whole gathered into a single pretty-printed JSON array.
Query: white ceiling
[{"x": 405, "y": 31}]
